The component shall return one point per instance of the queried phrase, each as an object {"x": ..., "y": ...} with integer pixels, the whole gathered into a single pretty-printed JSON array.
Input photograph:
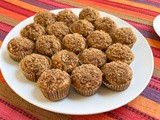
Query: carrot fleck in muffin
[
  {"x": 48, "y": 45},
  {"x": 67, "y": 16},
  {"x": 92, "y": 56},
  {"x": 82, "y": 27},
  {"x": 106, "y": 24},
  {"x": 65, "y": 60},
  {"x": 86, "y": 79},
  {"x": 33, "y": 65},
  {"x": 124, "y": 36},
  {"x": 119, "y": 52},
  {"x": 19, "y": 47},
  {"x": 89, "y": 14},
  {"x": 44, "y": 18},
  {"x": 54, "y": 84},
  {"x": 59, "y": 29},
  {"x": 117, "y": 75},
  {"x": 99, "y": 39},
  {"x": 74, "y": 42},
  {"x": 32, "y": 31}
]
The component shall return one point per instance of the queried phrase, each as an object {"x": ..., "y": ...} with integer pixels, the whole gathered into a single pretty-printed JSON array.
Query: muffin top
[
  {"x": 124, "y": 36},
  {"x": 106, "y": 24},
  {"x": 53, "y": 79},
  {"x": 99, "y": 39},
  {"x": 87, "y": 77},
  {"x": 48, "y": 45},
  {"x": 59, "y": 29},
  {"x": 74, "y": 42},
  {"x": 92, "y": 56},
  {"x": 67, "y": 16},
  {"x": 120, "y": 52},
  {"x": 89, "y": 14},
  {"x": 44, "y": 18},
  {"x": 20, "y": 47},
  {"x": 116, "y": 73},
  {"x": 34, "y": 64},
  {"x": 32, "y": 31},
  {"x": 82, "y": 27},
  {"x": 65, "y": 60}
]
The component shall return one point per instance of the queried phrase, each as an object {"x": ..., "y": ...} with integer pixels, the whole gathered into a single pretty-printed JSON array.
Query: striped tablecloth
[{"x": 139, "y": 13}]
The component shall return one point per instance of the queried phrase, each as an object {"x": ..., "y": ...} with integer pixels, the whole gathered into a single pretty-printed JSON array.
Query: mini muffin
[
  {"x": 54, "y": 84},
  {"x": 92, "y": 56},
  {"x": 124, "y": 36},
  {"x": 67, "y": 16},
  {"x": 120, "y": 52},
  {"x": 44, "y": 18},
  {"x": 74, "y": 42},
  {"x": 59, "y": 29},
  {"x": 65, "y": 60},
  {"x": 99, "y": 39},
  {"x": 82, "y": 27},
  {"x": 48, "y": 45},
  {"x": 19, "y": 47},
  {"x": 106, "y": 24},
  {"x": 33, "y": 65},
  {"x": 89, "y": 14},
  {"x": 117, "y": 75},
  {"x": 86, "y": 79},
  {"x": 32, "y": 31}
]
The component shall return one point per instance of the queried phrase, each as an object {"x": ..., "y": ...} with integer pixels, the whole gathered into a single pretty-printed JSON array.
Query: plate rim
[
  {"x": 151, "y": 72},
  {"x": 155, "y": 22}
]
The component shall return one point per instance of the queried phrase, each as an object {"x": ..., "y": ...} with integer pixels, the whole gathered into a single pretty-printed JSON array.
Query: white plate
[
  {"x": 156, "y": 25},
  {"x": 104, "y": 100}
]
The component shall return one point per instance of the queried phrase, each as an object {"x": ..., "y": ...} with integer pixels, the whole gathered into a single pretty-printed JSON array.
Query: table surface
[{"x": 139, "y": 13}]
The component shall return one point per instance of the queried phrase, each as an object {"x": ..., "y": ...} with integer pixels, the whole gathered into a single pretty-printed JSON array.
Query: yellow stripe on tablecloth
[
  {"x": 24, "y": 5},
  {"x": 139, "y": 5},
  {"x": 8, "y": 20},
  {"x": 147, "y": 106}
]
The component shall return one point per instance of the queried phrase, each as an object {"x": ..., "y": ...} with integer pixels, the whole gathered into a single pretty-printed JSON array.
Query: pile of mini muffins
[{"x": 58, "y": 51}]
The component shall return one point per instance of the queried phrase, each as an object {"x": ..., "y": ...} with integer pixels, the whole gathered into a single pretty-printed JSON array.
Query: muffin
[
  {"x": 48, "y": 45},
  {"x": 33, "y": 65},
  {"x": 92, "y": 56},
  {"x": 106, "y": 24},
  {"x": 99, "y": 39},
  {"x": 89, "y": 14},
  {"x": 74, "y": 42},
  {"x": 117, "y": 75},
  {"x": 67, "y": 16},
  {"x": 44, "y": 18},
  {"x": 59, "y": 29},
  {"x": 86, "y": 79},
  {"x": 82, "y": 27},
  {"x": 32, "y": 31},
  {"x": 65, "y": 60},
  {"x": 19, "y": 47},
  {"x": 119, "y": 52},
  {"x": 54, "y": 84},
  {"x": 124, "y": 36}
]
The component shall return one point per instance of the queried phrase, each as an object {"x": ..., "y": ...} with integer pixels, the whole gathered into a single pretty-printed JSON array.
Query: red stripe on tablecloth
[
  {"x": 154, "y": 1},
  {"x": 128, "y": 7},
  {"x": 156, "y": 52},
  {"x": 11, "y": 112},
  {"x": 2, "y": 35},
  {"x": 57, "y": 4},
  {"x": 1, "y": 77},
  {"x": 5, "y": 27},
  {"x": 16, "y": 9},
  {"x": 154, "y": 85}
]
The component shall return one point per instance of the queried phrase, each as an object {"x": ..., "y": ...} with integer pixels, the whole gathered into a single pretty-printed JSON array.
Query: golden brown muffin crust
[
  {"x": 99, "y": 39},
  {"x": 92, "y": 56},
  {"x": 32, "y": 31},
  {"x": 44, "y": 18},
  {"x": 48, "y": 45},
  {"x": 116, "y": 73},
  {"x": 67, "y": 16},
  {"x": 74, "y": 42}
]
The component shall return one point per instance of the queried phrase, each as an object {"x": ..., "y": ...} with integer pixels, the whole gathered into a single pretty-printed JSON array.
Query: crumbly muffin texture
[{"x": 86, "y": 46}]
